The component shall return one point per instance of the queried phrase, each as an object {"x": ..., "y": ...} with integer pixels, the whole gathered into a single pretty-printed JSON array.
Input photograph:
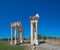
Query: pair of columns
[
  {"x": 15, "y": 36},
  {"x": 34, "y": 34}
]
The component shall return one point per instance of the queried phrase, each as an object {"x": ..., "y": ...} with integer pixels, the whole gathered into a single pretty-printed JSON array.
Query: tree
[
  {"x": 44, "y": 37},
  {"x": 39, "y": 36}
]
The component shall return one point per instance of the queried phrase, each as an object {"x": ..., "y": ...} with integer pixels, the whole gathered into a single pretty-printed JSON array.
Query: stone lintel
[{"x": 33, "y": 18}]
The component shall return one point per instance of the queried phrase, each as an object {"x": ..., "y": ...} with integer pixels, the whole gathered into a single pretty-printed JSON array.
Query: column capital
[{"x": 34, "y": 21}]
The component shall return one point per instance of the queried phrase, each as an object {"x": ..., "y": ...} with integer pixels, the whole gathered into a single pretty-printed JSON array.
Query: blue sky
[{"x": 21, "y": 10}]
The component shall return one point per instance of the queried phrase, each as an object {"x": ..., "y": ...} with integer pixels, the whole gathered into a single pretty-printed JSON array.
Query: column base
[
  {"x": 21, "y": 41},
  {"x": 15, "y": 43},
  {"x": 11, "y": 43},
  {"x": 34, "y": 42}
]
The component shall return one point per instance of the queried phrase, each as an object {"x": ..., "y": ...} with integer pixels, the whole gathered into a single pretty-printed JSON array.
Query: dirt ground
[{"x": 49, "y": 45}]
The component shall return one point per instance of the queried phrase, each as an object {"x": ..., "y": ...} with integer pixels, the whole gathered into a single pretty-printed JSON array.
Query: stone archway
[{"x": 16, "y": 26}]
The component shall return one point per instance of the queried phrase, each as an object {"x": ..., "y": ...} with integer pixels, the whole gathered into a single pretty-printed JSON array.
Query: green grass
[{"x": 7, "y": 46}]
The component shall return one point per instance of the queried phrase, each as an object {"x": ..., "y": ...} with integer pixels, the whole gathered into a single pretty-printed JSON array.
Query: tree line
[{"x": 39, "y": 37}]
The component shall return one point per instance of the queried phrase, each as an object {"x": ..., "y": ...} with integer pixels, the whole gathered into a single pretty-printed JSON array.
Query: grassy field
[{"x": 7, "y": 46}]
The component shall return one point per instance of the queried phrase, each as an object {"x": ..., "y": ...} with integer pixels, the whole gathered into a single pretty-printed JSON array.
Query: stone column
[
  {"x": 15, "y": 35},
  {"x": 11, "y": 36},
  {"x": 31, "y": 32},
  {"x": 21, "y": 38},
  {"x": 36, "y": 39}
]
